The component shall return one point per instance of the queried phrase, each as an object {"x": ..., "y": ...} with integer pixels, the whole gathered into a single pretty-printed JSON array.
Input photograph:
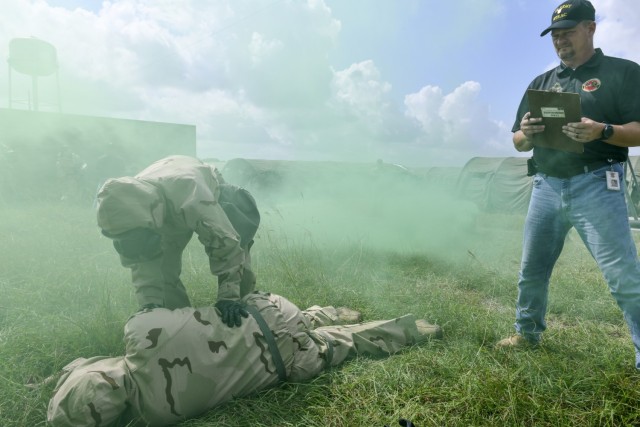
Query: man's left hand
[{"x": 584, "y": 131}]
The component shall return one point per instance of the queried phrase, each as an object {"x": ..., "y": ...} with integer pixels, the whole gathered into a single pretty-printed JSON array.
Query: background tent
[
  {"x": 440, "y": 177},
  {"x": 496, "y": 184}
]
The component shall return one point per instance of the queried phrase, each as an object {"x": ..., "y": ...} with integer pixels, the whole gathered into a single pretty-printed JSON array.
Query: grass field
[{"x": 65, "y": 295}]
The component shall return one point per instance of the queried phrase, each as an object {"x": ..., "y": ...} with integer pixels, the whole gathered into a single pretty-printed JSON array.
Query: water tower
[{"x": 35, "y": 58}]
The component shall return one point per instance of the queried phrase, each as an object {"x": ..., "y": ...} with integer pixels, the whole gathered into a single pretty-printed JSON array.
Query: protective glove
[{"x": 232, "y": 312}]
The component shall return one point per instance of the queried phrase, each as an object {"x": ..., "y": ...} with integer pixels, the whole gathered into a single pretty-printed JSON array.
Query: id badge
[{"x": 613, "y": 181}]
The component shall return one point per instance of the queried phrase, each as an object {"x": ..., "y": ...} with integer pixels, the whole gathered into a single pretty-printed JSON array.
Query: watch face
[{"x": 607, "y": 131}]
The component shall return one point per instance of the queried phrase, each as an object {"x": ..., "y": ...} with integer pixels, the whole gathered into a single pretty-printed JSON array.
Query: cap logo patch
[
  {"x": 558, "y": 17},
  {"x": 591, "y": 85},
  {"x": 558, "y": 12}
]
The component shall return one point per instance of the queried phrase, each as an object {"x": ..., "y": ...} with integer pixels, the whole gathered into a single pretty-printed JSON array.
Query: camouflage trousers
[{"x": 323, "y": 343}]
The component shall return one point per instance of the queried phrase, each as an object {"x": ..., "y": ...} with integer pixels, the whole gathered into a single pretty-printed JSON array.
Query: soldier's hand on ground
[{"x": 232, "y": 312}]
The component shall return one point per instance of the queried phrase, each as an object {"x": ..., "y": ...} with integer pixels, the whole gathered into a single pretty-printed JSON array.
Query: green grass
[{"x": 65, "y": 295}]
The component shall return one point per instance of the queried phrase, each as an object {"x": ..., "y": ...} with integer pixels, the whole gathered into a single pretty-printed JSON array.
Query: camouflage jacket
[{"x": 176, "y": 196}]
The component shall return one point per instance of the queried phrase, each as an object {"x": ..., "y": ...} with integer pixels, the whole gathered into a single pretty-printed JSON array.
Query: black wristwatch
[{"x": 607, "y": 132}]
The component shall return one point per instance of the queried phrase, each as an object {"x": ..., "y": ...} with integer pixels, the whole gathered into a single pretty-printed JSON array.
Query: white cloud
[
  {"x": 424, "y": 106},
  {"x": 261, "y": 47},
  {"x": 360, "y": 90},
  {"x": 618, "y": 31},
  {"x": 457, "y": 120},
  {"x": 210, "y": 63},
  {"x": 254, "y": 76}
]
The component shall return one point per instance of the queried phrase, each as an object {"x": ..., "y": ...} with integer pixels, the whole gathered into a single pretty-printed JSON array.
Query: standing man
[
  {"x": 580, "y": 190},
  {"x": 151, "y": 218}
]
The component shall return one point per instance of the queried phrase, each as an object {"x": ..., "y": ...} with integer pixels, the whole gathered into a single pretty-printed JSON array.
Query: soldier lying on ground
[
  {"x": 180, "y": 363},
  {"x": 151, "y": 218}
]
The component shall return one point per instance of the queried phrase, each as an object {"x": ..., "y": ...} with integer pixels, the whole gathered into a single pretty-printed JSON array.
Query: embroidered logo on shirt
[
  {"x": 557, "y": 87},
  {"x": 591, "y": 85}
]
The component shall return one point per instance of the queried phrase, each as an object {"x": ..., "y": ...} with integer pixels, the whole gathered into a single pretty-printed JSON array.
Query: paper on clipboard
[{"x": 556, "y": 110}]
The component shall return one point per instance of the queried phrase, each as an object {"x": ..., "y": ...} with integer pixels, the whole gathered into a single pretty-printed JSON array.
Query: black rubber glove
[{"x": 232, "y": 312}]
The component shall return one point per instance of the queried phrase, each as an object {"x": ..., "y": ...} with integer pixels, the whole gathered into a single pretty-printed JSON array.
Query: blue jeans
[{"x": 600, "y": 217}]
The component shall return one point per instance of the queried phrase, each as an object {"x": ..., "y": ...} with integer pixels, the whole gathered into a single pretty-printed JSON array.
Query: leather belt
[{"x": 572, "y": 171}]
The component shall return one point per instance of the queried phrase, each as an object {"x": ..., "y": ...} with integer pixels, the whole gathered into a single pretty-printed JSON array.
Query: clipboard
[{"x": 556, "y": 110}]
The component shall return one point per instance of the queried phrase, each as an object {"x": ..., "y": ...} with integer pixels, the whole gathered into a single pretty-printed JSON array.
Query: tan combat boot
[
  {"x": 347, "y": 316},
  {"x": 514, "y": 341},
  {"x": 427, "y": 330}
]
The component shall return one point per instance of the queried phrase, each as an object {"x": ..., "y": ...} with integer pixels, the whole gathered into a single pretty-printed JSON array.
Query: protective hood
[
  {"x": 92, "y": 392},
  {"x": 127, "y": 203}
]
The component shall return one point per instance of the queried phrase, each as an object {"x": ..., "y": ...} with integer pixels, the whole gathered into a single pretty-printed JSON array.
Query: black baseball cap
[{"x": 571, "y": 13}]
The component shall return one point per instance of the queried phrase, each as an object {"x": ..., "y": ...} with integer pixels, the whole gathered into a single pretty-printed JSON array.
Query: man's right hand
[
  {"x": 531, "y": 125},
  {"x": 232, "y": 312},
  {"x": 523, "y": 138}
]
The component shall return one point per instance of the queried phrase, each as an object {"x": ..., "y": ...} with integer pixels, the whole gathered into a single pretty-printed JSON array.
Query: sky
[{"x": 420, "y": 83}]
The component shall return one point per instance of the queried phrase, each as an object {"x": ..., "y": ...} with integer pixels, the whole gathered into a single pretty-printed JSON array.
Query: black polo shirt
[{"x": 609, "y": 91}]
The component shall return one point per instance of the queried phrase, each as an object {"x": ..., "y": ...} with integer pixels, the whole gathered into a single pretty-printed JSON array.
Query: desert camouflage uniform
[
  {"x": 180, "y": 363},
  {"x": 178, "y": 196}
]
